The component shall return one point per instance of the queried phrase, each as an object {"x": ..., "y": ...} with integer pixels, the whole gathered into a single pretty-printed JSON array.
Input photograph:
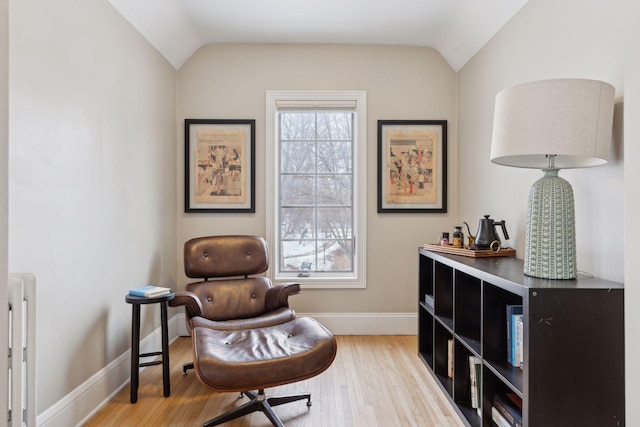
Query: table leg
[
  {"x": 165, "y": 349},
  {"x": 135, "y": 352}
]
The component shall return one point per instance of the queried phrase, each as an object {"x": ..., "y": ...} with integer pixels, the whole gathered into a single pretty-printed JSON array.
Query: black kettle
[{"x": 487, "y": 237}]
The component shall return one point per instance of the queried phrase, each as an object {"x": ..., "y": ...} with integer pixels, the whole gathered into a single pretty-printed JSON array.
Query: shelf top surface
[{"x": 503, "y": 269}]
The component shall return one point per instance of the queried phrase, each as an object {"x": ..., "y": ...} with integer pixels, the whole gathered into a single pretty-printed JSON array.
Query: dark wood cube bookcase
[{"x": 573, "y": 340}]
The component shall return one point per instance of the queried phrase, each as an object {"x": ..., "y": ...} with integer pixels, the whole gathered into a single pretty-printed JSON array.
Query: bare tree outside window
[{"x": 316, "y": 191}]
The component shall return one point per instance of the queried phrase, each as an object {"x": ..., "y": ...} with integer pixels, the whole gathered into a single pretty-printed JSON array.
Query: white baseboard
[
  {"x": 182, "y": 325},
  {"x": 83, "y": 402},
  {"x": 352, "y": 323},
  {"x": 368, "y": 323}
]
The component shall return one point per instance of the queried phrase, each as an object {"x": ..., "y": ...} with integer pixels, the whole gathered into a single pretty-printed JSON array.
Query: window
[{"x": 316, "y": 174}]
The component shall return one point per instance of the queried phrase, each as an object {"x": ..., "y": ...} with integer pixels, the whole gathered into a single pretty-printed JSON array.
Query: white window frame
[{"x": 319, "y": 99}]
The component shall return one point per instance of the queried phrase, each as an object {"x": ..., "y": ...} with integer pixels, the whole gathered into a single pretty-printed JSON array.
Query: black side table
[{"x": 136, "y": 302}]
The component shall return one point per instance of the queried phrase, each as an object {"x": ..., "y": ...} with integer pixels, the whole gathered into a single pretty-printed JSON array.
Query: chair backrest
[
  {"x": 231, "y": 299},
  {"x": 229, "y": 260},
  {"x": 225, "y": 256}
]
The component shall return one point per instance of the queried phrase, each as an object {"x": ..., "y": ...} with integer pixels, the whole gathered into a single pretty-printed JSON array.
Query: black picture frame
[
  {"x": 219, "y": 165},
  {"x": 412, "y": 166}
]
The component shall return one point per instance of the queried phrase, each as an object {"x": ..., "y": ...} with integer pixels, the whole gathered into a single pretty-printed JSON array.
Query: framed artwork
[
  {"x": 219, "y": 165},
  {"x": 412, "y": 166}
]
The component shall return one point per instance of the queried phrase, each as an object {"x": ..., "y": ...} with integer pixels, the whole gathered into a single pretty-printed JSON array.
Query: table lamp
[{"x": 552, "y": 125}]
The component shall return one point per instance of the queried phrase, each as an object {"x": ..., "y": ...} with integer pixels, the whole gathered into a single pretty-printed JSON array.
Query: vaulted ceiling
[{"x": 456, "y": 28}]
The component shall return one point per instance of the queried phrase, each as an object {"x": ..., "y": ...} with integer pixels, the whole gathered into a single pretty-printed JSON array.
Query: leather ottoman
[{"x": 265, "y": 357}]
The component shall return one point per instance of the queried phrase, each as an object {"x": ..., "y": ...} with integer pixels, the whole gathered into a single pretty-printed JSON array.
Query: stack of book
[
  {"x": 150, "y": 291},
  {"x": 428, "y": 301},
  {"x": 514, "y": 335},
  {"x": 475, "y": 380},
  {"x": 507, "y": 410}
]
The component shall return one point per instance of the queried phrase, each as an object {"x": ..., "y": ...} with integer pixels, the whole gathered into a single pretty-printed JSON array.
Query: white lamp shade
[{"x": 569, "y": 118}]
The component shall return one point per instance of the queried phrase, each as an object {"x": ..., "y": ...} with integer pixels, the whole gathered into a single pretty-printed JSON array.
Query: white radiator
[{"x": 22, "y": 350}]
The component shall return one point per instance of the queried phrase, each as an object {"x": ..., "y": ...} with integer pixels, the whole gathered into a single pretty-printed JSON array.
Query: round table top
[{"x": 132, "y": 299}]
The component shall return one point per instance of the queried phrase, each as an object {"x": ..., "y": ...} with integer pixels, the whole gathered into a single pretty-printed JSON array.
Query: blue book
[
  {"x": 149, "y": 291},
  {"x": 516, "y": 340},
  {"x": 512, "y": 309}
]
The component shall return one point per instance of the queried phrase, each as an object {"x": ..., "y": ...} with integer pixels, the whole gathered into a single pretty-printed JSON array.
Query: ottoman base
[{"x": 259, "y": 402}]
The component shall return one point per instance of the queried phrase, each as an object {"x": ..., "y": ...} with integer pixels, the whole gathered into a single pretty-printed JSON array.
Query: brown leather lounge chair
[
  {"x": 234, "y": 300},
  {"x": 244, "y": 334}
]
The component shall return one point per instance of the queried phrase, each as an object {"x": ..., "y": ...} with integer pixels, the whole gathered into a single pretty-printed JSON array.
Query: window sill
[{"x": 323, "y": 282}]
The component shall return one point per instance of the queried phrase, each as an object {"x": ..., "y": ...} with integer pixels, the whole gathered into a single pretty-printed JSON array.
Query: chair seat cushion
[
  {"x": 276, "y": 317},
  {"x": 259, "y": 358}
]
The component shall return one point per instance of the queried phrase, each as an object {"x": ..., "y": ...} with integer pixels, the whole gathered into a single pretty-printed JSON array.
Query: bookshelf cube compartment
[
  {"x": 492, "y": 385},
  {"x": 468, "y": 309},
  {"x": 443, "y": 293},
  {"x": 495, "y": 338},
  {"x": 442, "y": 336},
  {"x": 426, "y": 280},
  {"x": 463, "y": 384},
  {"x": 425, "y": 335}
]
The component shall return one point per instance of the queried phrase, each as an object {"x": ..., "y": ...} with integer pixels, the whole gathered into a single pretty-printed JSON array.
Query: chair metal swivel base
[
  {"x": 259, "y": 402},
  {"x": 186, "y": 367}
]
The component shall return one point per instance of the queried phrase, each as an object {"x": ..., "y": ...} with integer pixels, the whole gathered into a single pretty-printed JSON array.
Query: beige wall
[
  {"x": 582, "y": 39},
  {"x": 552, "y": 39},
  {"x": 4, "y": 197},
  {"x": 230, "y": 81},
  {"x": 92, "y": 181}
]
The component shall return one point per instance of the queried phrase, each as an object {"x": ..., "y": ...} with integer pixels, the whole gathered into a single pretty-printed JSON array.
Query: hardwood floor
[{"x": 374, "y": 381}]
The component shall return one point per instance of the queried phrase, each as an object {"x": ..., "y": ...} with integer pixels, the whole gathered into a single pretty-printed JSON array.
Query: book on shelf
[
  {"x": 509, "y": 405},
  {"x": 518, "y": 323},
  {"x": 472, "y": 383},
  {"x": 450, "y": 358},
  {"x": 475, "y": 370},
  {"x": 498, "y": 419},
  {"x": 516, "y": 340},
  {"x": 428, "y": 301},
  {"x": 512, "y": 310},
  {"x": 149, "y": 291}
]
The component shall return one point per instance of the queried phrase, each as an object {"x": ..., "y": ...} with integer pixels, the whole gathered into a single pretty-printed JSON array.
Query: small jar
[
  {"x": 444, "y": 240},
  {"x": 458, "y": 237}
]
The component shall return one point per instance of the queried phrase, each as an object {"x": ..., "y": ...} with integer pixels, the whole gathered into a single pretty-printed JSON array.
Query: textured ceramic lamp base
[{"x": 550, "y": 244}]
